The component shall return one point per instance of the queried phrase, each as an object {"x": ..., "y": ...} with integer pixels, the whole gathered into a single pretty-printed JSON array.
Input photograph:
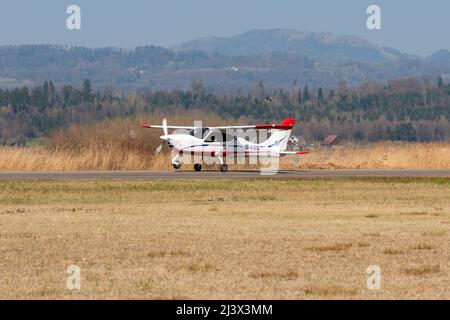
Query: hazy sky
[{"x": 419, "y": 27}]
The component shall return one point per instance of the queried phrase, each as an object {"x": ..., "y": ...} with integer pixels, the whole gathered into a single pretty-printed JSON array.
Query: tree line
[{"x": 414, "y": 109}]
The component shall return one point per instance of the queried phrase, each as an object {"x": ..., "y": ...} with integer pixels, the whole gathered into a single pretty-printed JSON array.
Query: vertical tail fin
[{"x": 280, "y": 134}]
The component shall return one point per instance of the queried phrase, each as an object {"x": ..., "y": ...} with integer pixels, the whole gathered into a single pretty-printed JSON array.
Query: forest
[
  {"x": 156, "y": 68},
  {"x": 411, "y": 109}
]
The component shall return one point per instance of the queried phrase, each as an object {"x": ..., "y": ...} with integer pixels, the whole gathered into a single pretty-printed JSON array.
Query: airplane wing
[
  {"x": 287, "y": 124},
  {"x": 189, "y": 128},
  {"x": 147, "y": 126},
  {"x": 293, "y": 152}
]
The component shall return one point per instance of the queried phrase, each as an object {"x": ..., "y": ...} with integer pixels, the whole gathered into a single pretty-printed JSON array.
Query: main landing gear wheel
[
  {"x": 176, "y": 166},
  {"x": 224, "y": 168},
  {"x": 197, "y": 167}
]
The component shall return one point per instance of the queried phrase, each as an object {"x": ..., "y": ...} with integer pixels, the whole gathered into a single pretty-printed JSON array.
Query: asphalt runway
[{"x": 238, "y": 174}]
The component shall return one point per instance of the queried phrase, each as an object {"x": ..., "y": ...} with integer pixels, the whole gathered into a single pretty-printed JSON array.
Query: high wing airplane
[{"x": 217, "y": 142}]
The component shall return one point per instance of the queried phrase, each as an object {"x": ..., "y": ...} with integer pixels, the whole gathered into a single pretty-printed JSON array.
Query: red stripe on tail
[{"x": 287, "y": 124}]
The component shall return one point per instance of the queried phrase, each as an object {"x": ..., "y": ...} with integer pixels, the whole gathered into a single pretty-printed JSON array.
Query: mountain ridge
[
  {"x": 278, "y": 57},
  {"x": 323, "y": 46}
]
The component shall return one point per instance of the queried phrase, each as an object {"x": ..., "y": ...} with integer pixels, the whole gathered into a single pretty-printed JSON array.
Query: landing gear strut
[
  {"x": 197, "y": 167},
  {"x": 176, "y": 163},
  {"x": 223, "y": 166}
]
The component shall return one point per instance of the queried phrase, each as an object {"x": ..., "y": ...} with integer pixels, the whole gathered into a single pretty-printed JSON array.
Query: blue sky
[{"x": 419, "y": 27}]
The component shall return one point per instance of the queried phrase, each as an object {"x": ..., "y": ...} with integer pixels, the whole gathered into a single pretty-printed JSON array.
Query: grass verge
[{"x": 225, "y": 239}]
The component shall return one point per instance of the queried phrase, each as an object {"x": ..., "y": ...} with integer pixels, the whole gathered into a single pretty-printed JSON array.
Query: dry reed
[
  {"x": 120, "y": 144},
  {"x": 382, "y": 155}
]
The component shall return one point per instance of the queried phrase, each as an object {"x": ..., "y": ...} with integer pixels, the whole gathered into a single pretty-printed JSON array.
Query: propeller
[
  {"x": 164, "y": 137},
  {"x": 164, "y": 125},
  {"x": 158, "y": 150}
]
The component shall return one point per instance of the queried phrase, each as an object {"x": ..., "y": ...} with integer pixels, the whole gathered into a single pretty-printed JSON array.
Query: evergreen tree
[
  {"x": 440, "y": 82},
  {"x": 320, "y": 95},
  {"x": 306, "y": 95},
  {"x": 299, "y": 96},
  {"x": 87, "y": 90}
]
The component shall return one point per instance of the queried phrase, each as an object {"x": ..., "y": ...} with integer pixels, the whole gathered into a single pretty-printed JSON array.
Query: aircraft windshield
[
  {"x": 199, "y": 132},
  {"x": 211, "y": 135}
]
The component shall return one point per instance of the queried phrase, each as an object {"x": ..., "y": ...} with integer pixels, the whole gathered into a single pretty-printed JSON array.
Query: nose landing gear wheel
[
  {"x": 224, "y": 168},
  {"x": 197, "y": 167},
  {"x": 176, "y": 166}
]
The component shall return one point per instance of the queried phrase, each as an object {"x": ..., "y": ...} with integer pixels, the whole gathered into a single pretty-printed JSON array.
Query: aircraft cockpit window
[
  {"x": 208, "y": 135},
  {"x": 198, "y": 132},
  {"x": 213, "y": 136}
]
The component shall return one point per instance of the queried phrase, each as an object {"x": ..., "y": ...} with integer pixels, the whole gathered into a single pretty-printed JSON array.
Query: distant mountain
[
  {"x": 280, "y": 58},
  {"x": 320, "y": 46},
  {"x": 440, "y": 56}
]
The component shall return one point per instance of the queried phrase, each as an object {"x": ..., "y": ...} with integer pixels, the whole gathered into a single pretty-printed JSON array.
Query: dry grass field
[
  {"x": 234, "y": 239},
  {"x": 114, "y": 156},
  {"x": 381, "y": 155},
  {"x": 120, "y": 144}
]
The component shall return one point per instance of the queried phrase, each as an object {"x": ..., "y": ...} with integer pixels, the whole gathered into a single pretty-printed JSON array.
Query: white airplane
[{"x": 226, "y": 141}]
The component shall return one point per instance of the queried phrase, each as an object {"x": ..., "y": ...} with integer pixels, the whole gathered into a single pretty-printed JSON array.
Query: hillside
[
  {"x": 280, "y": 58},
  {"x": 439, "y": 57},
  {"x": 324, "y": 47}
]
